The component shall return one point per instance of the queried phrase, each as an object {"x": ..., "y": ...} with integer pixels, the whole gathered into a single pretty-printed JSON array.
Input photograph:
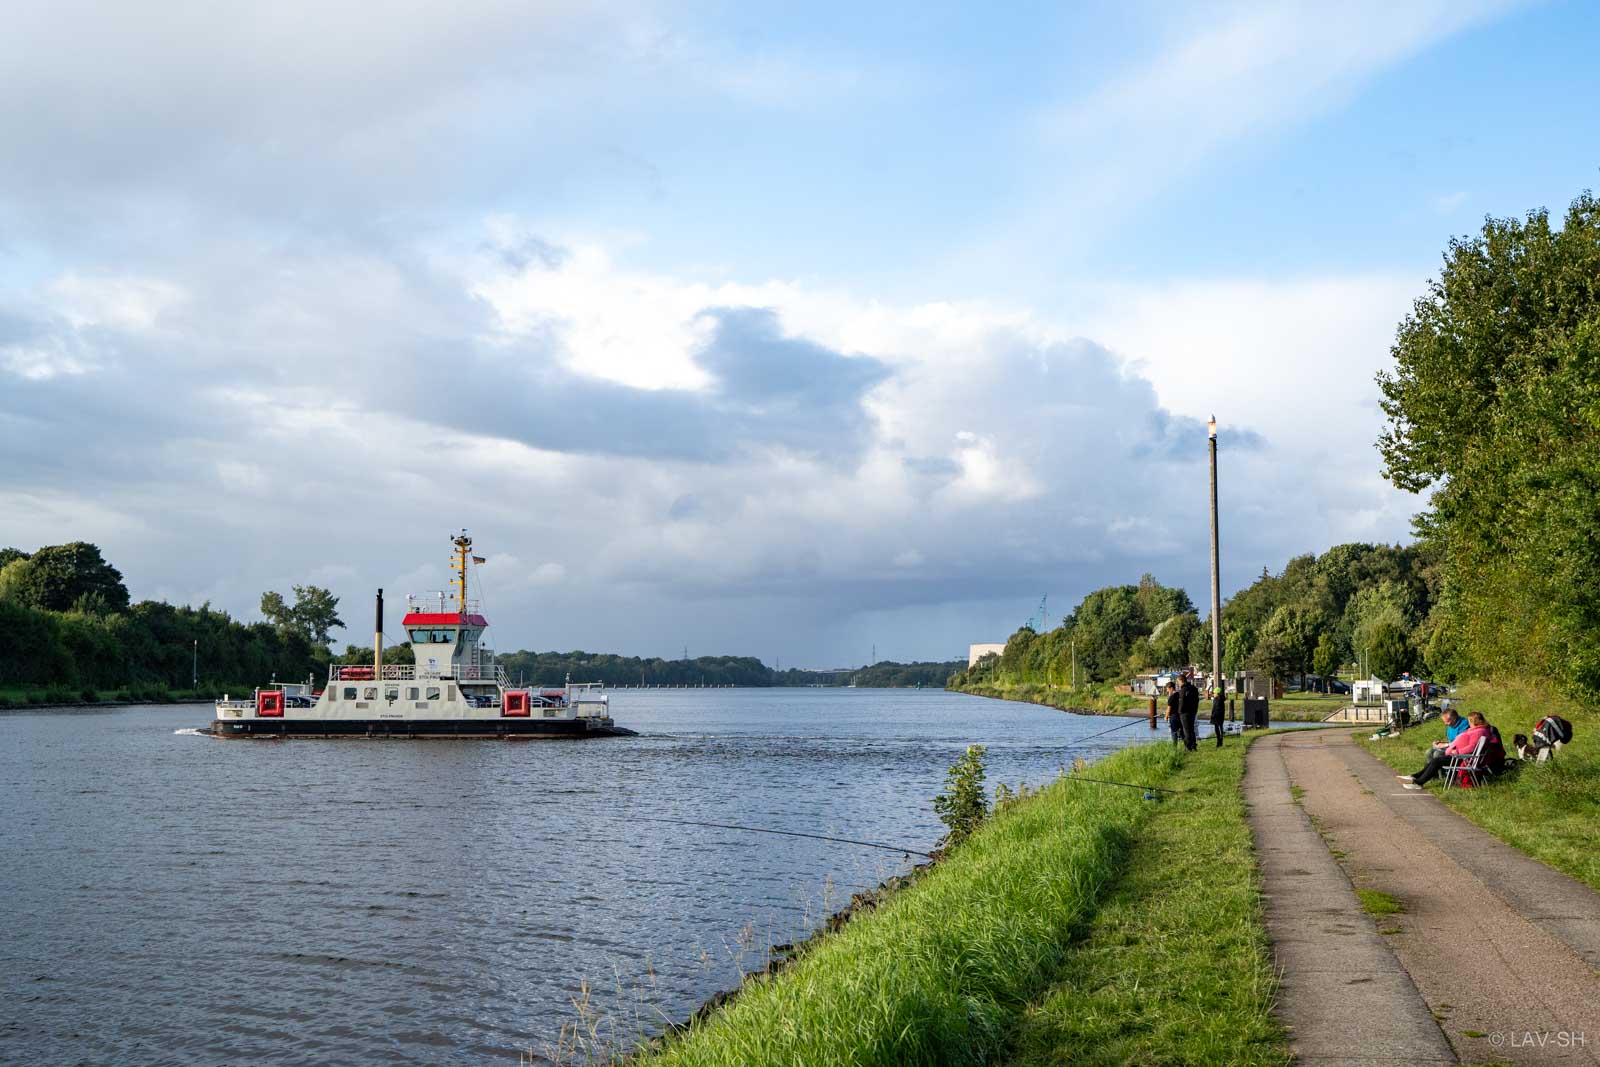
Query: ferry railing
[
  {"x": 362, "y": 672},
  {"x": 439, "y": 602}
]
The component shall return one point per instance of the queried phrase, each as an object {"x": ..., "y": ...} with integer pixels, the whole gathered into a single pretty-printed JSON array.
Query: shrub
[{"x": 964, "y": 802}]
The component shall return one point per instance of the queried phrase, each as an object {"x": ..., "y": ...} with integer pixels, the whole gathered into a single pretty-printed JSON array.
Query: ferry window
[
  {"x": 444, "y": 637},
  {"x": 433, "y": 692},
  {"x": 371, "y": 693},
  {"x": 392, "y": 693},
  {"x": 421, "y": 636},
  {"x": 349, "y": 692},
  {"x": 411, "y": 694}
]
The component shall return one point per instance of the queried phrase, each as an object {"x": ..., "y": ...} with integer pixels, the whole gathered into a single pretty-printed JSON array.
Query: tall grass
[
  {"x": 943, "y": 972},
  {"x": 1548, "y": 810},
  {"x": 1175, "y": 967}
]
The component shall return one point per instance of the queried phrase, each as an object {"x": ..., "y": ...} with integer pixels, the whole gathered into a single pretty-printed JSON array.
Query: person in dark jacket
[
  {"x": 1174, "y": 712},
  {"x": 1219, "y": 708},
  {"x": 1190, "y": 697}
]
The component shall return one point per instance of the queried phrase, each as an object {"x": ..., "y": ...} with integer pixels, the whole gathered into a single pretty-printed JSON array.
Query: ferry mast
[{"x": 458, "y": 564}]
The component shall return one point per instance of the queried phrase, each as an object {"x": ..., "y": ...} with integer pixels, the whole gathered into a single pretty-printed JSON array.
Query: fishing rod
[
  {"x": 1126, "y": 785},
  {"x": 787, "y": 833}
]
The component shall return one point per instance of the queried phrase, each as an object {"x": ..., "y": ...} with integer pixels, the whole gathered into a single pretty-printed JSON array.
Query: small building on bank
[{"x": 977, "y": 652}]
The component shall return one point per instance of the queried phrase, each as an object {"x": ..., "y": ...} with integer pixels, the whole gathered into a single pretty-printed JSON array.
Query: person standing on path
[
  {"x": 1219, "y": 708},
  {"x": 1190, "y": 697},
  {"x": 1174, "y": 712}
]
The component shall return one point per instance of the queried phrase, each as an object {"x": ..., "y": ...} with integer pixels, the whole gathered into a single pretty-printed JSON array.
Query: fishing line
[
  {"x": 1101, "y": 781},
  {"x": 1127, "y": 785},
  {"x": 787, "y": 833}
]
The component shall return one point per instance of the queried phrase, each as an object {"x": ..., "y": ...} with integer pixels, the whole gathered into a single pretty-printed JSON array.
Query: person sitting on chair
[
  {"x": 1467, "y": 740},
  {"x": 1455, "y": 724}
]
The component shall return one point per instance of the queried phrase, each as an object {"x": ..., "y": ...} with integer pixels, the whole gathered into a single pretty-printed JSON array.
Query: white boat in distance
[{"x": 455, "y": 688}]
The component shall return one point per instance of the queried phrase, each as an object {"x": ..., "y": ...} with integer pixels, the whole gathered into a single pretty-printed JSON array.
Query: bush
[
  {"x": 89, "y": 696},
  {"x": 964, "y": 804}
]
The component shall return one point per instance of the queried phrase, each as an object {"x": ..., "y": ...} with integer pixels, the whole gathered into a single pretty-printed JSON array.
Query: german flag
[{"x": 479, "y": 559}]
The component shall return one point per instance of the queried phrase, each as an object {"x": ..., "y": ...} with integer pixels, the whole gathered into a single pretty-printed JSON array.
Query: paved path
[{"x": 1498, "y": 948}]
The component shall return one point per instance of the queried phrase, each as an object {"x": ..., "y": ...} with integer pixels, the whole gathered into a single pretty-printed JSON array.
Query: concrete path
[
  {"x": 1344, "y": 996},
  {"x": 1498, "y": 948}
]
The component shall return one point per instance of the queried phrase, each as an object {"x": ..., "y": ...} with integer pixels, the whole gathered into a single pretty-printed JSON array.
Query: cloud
[
  {"x": 1234, "y": 75},
  {"x": 294, "y": 291},
  {"x": 1448, "y": 202},
  {"x": 838, "y": 458}
]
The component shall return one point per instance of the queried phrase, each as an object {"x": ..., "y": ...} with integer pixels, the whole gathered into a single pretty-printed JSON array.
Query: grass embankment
[
  {"x": 1085, "y": 924},
  {"x": 1547, "y": 810},
  {"x": 62, "y": 696},
  {"x": 1175, "y": 968}
]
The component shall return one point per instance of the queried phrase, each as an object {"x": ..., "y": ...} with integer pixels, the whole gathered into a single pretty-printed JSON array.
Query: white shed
[{"x": 1367, "y": 691}]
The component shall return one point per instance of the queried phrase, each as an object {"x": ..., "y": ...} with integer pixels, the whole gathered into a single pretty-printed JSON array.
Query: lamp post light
[{"x": 1216, "y": 577}]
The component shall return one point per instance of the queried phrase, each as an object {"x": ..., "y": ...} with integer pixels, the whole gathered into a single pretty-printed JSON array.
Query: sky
[{"x": 761, "y": 329}]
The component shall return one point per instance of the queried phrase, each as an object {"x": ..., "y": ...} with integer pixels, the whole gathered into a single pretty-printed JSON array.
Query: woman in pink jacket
[{"x": 1465, "y": 742}]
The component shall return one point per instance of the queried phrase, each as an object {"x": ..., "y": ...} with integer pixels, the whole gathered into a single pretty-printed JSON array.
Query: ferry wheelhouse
[{"x": 454, "y": 689}]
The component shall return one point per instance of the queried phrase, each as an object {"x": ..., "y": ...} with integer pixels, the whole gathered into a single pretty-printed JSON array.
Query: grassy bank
[
  {"x": 1175, "y": 967},
  {"x": 1084, "y": 924},
  {"x": 56, "y": 696},
  {"x": 1548, "y": 810}
]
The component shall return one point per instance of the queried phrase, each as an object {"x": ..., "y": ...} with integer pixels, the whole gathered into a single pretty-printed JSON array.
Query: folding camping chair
[{"x": 1468, "y": 766}]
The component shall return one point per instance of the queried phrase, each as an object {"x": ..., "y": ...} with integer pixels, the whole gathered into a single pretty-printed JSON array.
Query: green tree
[
  {"x": 277, "y": 612},
  {"x": 1390, "y": 653},
  {"x": 1493, "y": 405},
  {"x": 1272, "y": 656},
  {"x": 1169, "y": 642},
  {"x": 58, "y": 577},
  {"x": 313, "y": 615},
  {"x": 1325, "y": 660},
  {"x": 1293, "y": 630}
]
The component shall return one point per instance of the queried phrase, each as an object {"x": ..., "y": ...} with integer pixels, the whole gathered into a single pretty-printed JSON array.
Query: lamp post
[
  {"x": 194, "y": 666},
  {"x": 1216, "y": 577}
]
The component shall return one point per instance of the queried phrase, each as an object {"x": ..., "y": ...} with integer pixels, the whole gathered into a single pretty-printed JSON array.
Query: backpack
[{"x": 1551, "y": 730}]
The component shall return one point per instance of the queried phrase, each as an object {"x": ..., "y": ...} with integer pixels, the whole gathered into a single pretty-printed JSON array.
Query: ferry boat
[{"x": 455, "y": 688}]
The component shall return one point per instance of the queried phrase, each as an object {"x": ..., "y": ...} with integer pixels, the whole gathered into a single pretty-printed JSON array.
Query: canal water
[{"x": 177, "y": 899}]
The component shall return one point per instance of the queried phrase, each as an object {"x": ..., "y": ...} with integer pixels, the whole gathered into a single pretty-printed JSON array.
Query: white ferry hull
[{"x": 587, "y": 726}]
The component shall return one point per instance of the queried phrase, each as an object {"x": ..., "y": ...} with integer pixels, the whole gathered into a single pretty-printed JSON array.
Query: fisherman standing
[
  {"x": 1219, "y": 708},
  {"x": 1174, "y": 712},
  {"x": 1190, "y": 699}
]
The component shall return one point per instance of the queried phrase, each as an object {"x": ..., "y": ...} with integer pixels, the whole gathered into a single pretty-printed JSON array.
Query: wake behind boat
[{"x": 455, "y": 688}]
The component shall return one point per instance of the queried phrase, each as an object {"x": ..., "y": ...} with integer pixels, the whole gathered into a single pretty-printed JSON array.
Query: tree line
[
  {"x": 66, "y": 621},
  {"x": 1354, "y": 603}
]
